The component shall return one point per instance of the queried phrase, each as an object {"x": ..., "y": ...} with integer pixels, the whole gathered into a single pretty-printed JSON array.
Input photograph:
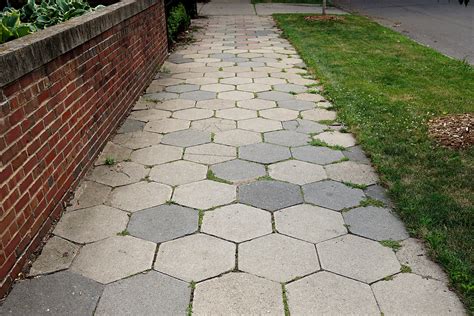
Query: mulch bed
[{"x": 453, "y": 131}]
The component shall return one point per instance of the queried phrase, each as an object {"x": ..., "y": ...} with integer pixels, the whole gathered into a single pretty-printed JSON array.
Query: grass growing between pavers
[{"x": 385, "y": 88}]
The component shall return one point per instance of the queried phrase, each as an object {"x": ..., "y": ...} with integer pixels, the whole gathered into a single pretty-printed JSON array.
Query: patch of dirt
[
  {"x": 323, "y": 18},
  {"x": 453, "y": 131}
]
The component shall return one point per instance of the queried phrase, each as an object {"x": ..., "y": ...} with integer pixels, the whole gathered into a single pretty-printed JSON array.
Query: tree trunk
[{"x": 324, "y": 7}]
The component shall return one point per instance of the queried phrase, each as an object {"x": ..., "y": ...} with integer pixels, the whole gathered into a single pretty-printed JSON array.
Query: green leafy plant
[
  {"x": 11, "y": 26},
  {"x": 178, "y": 21}
]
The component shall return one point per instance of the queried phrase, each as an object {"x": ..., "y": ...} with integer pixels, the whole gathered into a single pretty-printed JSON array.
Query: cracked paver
[{"x": 233, "y": 102}]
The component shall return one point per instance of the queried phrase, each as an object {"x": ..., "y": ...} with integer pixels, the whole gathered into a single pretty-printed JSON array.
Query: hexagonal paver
[
  {"x": 237, "y": 222},
  {"x": 356, "y": 153},
  {"x": 238, "y": 170},
  {"x": 119, "y": 174},
  {"x": 111, "y": 150},
  {"x": 210, "y": 153},
  {"x": 139, "y": 196},
  {"x": 182, "y": 88},
  {"x": 167, "y": 125},
  {"x": 357, "y": 258},
  {"x": 288, "y": 87},
  {"x": 237, "y": 137},
  {"x": 178, "y": 172},
  {"x": 317, "y": 154},
  {"x": 137, "y": 140},
  {"x": 238, "y": 294},
  {"x": 236, "y": 80},
  {"x": 215, "y": 104},
  {"x": 217, "y": 87},
  {"x": 286, "y": 138},
  {"x": 310, "y": 97},
  {"x": 114, "y": 258},
  {"x": 259, "y": 124},
  {"x": 187, "y": 138},
  {"x": 297, "y": 105},
  {"x": 235, "y": 95},
  {"x": 279, "y": 114},
  {"x": 129, "y": 126},
  {"x": 297, "y": 172},
  {"x": 326, "y": 293},
  {"x": 198, "y": 95},
  {"x": 256, "y": 104},
  {"x": 163, "y": 223},
  {"x": 219, "y": 74},
  {"x": 88, "y": 194},
  {"x": 145, "y": 294},
  {"x": 337, "y": 138},
  {"x": 275, "y": 96},
  {"x": 175, "y": 105},
  {"x": 91, "y": 224},
  {"x": 304, "y": 126},
  {"x": 410, "y": 294},
  {"x": 149, "y": 115},
  {"x": 270, "y": 195},
  {"x": 57, "y": 254},
  {"x": 375, "y": 223},
  {"x": 62, "y": 293},
  {"x": 254, "y": 87},
  {"x": 332, "y": 194},
  {"x": 158, "y": 154},
  {"x": 278, "y": 258},
  {"x": 236, "y": 114},
  {"x": 311, "y": 223},
  {"x": 349, "y": 171},
  {"x": 193, "y": 114},
  {"x": 204, "y": 194},
  {"x": 264, "y": 153},
  {"x": 413, "y": 253},
  {"x": 214, "y": 125},
  {"x": 269, "y": 81},
  {"x": 196, "y": 257},
  {"x": 161, "y": 96}
]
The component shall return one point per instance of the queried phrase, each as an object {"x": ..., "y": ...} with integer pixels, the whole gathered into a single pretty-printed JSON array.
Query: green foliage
[
  {"x": 32, "y": 16},
  {"x": 11, "y": 26},
  {"x": 178, "y": 21}
]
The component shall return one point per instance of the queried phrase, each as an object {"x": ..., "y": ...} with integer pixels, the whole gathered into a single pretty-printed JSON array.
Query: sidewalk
[{"x": 209, "y": 199}]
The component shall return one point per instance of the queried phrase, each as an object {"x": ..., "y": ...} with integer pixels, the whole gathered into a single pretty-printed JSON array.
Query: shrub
[{"x": 178, "y": 21}]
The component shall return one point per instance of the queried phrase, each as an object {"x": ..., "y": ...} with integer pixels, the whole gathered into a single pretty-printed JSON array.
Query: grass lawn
[
  {"x": 288, "y": 1},
  {"x": 385, "y": 88}
]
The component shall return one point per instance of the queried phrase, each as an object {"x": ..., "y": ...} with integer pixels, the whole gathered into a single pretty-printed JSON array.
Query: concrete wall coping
[{"x": 25, "y": 54}]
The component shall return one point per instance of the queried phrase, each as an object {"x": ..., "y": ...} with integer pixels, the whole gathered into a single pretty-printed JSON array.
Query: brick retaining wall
[{"x": 63, "y": 92}]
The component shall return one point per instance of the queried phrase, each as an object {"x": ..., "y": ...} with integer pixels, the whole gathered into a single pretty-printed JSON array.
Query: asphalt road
[{"x": 445, "y": 26}]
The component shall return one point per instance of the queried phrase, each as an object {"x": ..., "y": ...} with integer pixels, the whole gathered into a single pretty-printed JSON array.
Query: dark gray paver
[
  {"x": 180, "y": 88},
  {"x": 152, "y": 293},
  {"x": 317, "y": 154},
  {"x": 198, "y": 95},
  {"x": 375, "y": 223},
  {"x": 130, "y": 126},
  {"x": 270, "y": 195},
  {"x": 275, "y": 96},
  {"x": 163, "y": 223},
  {"x": 187, "y": 138},
  {"x": 289, "y": 87},
  {"x": 304, "y": 126},
  {"x": 332, "y": 194},
  {"x": 238, "y": 170},
  {"x": 286, "y": 138},
  {"x": 298, "y": 105},
  {"x": 377, "y": 192},
  {"x": 264, "y": 153},
  {"x": 62, "y": 293},
  {"x": 356, "y": 154}
]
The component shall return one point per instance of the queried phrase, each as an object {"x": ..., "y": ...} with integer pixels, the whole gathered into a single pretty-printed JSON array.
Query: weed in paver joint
[
  {"x": 395, "y": 245},
  {"x": 388, "y": 278},
  {"x": 200, "y": 218},
  {"x": 213, "y": 135},
  {"x": 293, "y": 92},
  {"x": 170, "y": 202},
  {"x": 189, "y": 309},
  {"x": 355, "y": 185},
  {"x": 192, "y": 285},
  {"x": 313, "y": 91},
  {"x": 123, "y": 233},
  {"x": 372, "y": 202},
  {"x": 266, "y": 177},
  {"x": 327, "y": 122},
  {"x": 221, "y": 69},
  {"x": 283, "y": 70},
  {"x": 211, "y": 176},
  {"x": 110, "y": 161},
  {"x": 285, "y": 300},
  {"x": 340, "y": 160},
  {"x": 320, "y": 143},
  {"x": 405, "y": 269},
  {"x": 165, "y": 70}
]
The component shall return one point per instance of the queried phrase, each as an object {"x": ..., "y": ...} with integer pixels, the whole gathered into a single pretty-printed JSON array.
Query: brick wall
[{"x": 55, "y": 119}]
